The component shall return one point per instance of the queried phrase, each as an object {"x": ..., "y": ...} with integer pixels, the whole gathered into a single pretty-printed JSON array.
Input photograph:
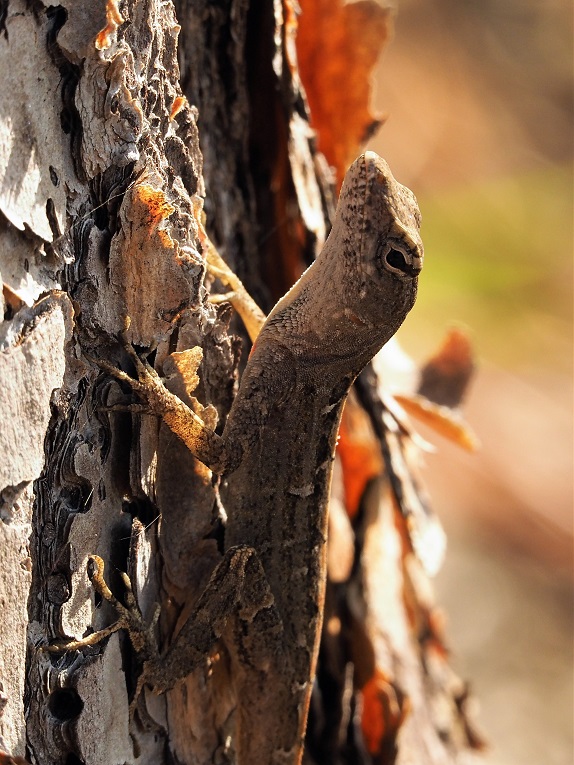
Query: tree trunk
[{"x": 118, "y": 126}]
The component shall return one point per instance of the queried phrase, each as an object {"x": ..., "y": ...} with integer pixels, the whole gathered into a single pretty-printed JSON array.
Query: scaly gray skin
[
  {"x": 285, "y": 420},
  {"x": 276, "y": 456}
]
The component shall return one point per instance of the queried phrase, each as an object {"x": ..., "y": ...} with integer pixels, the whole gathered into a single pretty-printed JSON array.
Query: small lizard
[{"x": 275, "y": 457}]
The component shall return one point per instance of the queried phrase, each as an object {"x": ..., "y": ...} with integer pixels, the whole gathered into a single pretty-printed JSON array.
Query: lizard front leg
[{"x": 156, "y": 399}]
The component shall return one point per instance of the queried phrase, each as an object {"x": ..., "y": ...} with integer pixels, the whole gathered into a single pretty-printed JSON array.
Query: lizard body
[
  {"x": 276, "y": 455},
  {"x": 286, "y": 418}
]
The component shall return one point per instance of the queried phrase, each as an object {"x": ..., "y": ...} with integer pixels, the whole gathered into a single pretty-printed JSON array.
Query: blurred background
[{"x": 478, "y": 97}]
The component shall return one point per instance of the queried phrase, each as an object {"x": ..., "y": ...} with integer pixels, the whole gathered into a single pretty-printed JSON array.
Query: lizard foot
[
  {"x": 156, "y": 399},
  {"x": 130, "y": 617},
  {"x": 147, "y": 378},
  {"x": 142, "y": 635}
]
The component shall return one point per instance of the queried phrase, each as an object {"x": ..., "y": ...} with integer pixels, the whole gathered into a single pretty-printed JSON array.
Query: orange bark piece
[
  {"x": 8, "y": 759},
  {"x": 114, "y": 19},
  {"x": 178, "y": 104},
  {"x": 385, "y": 708},
  {"x": 12, "y": 299},
  {"x": 154, "y": 209},
  {"x": 445, "y": 376},
  {"x": 187, "y": 363},
  {"x": 442, "y": 420},
  {"x": 150, "y": 266},
  {"x": 338, "y": 45},
  {"x": 360, "y": 454},
  {"x": 290, "y": 27}
]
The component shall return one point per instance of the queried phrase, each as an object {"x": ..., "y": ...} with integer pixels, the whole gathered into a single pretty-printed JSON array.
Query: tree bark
[{"x": 118, "y": 126}]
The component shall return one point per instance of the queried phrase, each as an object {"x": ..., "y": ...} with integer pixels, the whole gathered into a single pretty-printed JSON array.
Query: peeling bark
[{"x": 118, "y": 125}]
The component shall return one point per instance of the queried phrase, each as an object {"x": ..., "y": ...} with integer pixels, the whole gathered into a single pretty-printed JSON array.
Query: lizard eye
[
  {"x": 400, "y": 261},
  {"x": 396, "y": 260}
]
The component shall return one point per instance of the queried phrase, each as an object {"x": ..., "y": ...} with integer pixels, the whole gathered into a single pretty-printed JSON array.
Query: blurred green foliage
[{"x": 498, "y": 258}]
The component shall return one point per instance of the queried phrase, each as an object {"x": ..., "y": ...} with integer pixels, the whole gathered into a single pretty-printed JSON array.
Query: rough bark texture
[{"x": 115, "y": 122}]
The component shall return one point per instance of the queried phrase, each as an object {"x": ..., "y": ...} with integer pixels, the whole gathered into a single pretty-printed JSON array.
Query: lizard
[{"x": 275, "y": 456}]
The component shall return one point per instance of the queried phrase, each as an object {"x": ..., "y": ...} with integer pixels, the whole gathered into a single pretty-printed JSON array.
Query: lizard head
[
  {"x": 379, "y": 222},
  {"x": 389, "y": 222},
  {"x": 356, "y": 295}
]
